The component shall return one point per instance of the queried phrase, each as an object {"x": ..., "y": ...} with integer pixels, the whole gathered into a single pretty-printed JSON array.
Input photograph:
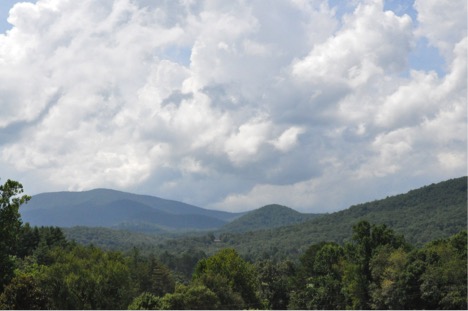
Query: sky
[{"x": 233, "y": 105}]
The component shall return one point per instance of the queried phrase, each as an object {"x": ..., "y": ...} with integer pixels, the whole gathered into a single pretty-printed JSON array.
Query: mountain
[
  {"x": 422, "y": 215},
  {"x": 110, "y": 208},
  {"x": 266, "y": 217}
]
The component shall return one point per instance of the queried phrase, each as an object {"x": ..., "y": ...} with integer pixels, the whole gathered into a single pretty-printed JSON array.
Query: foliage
[
  {"x": 368, "y": 239},
  {"x": 10, "y": 226},
  {"x": 228, "y": 298},
  {"x": 23, "y": 293},
  {"x": 87, "y": 278},
  {"x": 112, "y": 239},
  {"x": 319, "y": 283},
  {"x": 386, "y": 269},
  {"x": 145, "y": 301},
  {"x": 38, "y": 240},
  {"x": 379, "y": 270},
  {"x": 443, "y": 283},
  {"x": 149, "y": 275},
  {"x": 275, "y": 283},
  {"x": 239, "y": 274},
  {"x": 183, "y": 264},
  {"x": 194, "y": 297}
]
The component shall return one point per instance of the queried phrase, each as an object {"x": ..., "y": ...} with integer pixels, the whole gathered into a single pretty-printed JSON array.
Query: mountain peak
[
  {"x": 275, "y": 208},
  {"x": 267, "y": 217}
]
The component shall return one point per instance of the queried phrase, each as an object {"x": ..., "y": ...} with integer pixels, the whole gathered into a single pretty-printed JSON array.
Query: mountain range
[
  {"x": 144, "y": 213},
  {"x": 424, "y": 214},
  {"x": 432, "y": 212}
]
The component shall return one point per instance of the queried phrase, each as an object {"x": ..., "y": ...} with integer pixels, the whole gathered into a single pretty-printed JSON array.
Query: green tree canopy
[
  {"x": 145, "y": 301},
  {"x": 87, "y": 278},
  {"x": 368, "y": 239},
  {"x": 23, "y": 293},
  {"x": 10, "y": 226},
  {"x": 193, "y": 297},
  {"x": 275, "y": 283},
  {"x": 321, "y": 279},
  {"x": 239, "y": 275}
]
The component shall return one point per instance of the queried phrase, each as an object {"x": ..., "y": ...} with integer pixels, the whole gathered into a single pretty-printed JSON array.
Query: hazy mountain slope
[
  {"x": 105, "y": 196},
  {"x": 116, "y": 213},
  {"x": 108, "y": 208},
  {"x": 269, "y": 216}
]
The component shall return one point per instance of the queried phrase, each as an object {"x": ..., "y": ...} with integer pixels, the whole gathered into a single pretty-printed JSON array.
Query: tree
[
  {"x": 367, "y": 240},
  {"x": 387, "y": 268},
  {"x": 275, "y": 283},
  {"x": 10, "y": 226},
  {"x": 149, "y": 275},
  {"x": 23, "y": 293},
  {"x": 184, "y": 264},
  {"x": 45, "y": 238},
  {"x": 443, "y": 283},
  {"x": 220, "y": 285},
  {"x": 433, "y": 277},
  {"x": 28, "y": 240},
  {"x": 87, "y": 278},
  {"x": 193, "y": 297},
  {"x": 239, "y": 274},
  {"x": 146, "y": 301},
  {"x": 321, "y": 281}
]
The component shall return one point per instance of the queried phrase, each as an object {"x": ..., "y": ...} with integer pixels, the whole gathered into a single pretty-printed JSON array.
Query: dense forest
[{"x": 376, "y": 268}]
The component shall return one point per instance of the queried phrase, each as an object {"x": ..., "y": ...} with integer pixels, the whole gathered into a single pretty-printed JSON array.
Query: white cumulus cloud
[{"x": 232, "y": 104}]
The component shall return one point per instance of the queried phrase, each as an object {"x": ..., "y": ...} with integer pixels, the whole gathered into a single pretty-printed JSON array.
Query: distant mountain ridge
[
  {"x": 111, "y": 208},
  {"x": 267, "y": 217},
  {"x": 433, "y": 211},
  {"x": 102, "y": 196}
]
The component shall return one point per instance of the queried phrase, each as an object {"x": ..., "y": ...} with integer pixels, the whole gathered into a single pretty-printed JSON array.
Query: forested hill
[
  {"x": 269, "y": 216},
  {"x": 428, "y": 213}
]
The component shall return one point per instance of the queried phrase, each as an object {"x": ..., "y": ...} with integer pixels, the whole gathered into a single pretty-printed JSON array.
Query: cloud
[
  {"x": 443, "y": 24},
  {"x": 288, "y": 138},
  {"x": 231, "y": 105},
  {"x": 371, "y": 40},
  {"x": 241, "y": 146}
]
